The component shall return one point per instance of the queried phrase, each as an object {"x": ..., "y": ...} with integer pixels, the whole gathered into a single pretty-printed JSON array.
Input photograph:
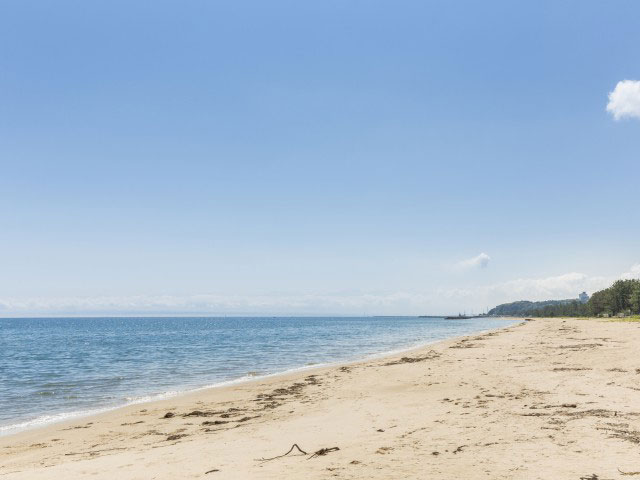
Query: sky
[{"x": 311, "y": 158}]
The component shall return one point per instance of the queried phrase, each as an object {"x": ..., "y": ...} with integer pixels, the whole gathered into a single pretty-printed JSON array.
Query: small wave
[
  {"x": 46, "y": 393},
  {"x": 45, "y": 420}
]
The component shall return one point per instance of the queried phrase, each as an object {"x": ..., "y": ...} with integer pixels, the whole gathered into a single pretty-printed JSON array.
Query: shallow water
[{"x": 56, "y": 368}]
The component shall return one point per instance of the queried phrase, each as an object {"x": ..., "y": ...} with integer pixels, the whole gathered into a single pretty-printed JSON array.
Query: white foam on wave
[{"x": 46, "y": 420}]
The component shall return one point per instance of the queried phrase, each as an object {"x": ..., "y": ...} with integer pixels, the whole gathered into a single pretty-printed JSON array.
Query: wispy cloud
[
  {"x": 445, "y": 300},
  {"x": 557, "y": 287},
  {"x": 219, "y": 304},
  {"x": 624, "y": 100},
  {"x": 479, "y": 261},
  {"x": 634, "y": 272},
  {"x": 567, "y": 285}
]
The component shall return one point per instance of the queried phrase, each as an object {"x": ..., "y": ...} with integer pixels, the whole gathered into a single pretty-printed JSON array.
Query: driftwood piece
[
  {"x": 318, "y": 453},
  {"x": 323, "y": 451},
  {"x": 295, "y": 445},
  {"x": 628, "y": 473}
]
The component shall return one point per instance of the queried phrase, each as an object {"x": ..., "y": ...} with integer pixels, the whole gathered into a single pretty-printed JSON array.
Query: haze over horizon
[{"x": 315, "y": 158}]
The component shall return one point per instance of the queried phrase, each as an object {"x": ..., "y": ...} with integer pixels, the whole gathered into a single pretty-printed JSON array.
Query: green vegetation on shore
[
  {"x": 621, "y": 298},
  {"x": 525, "y": 307}
]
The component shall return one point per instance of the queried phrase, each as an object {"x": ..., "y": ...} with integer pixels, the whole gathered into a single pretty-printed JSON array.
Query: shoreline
[
  {"x": 72, "y": 417},
  {"x": 548, "y": 398}
]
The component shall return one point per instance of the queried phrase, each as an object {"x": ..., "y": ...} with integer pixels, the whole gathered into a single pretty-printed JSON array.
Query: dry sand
[{"x": 545, "y": 399}]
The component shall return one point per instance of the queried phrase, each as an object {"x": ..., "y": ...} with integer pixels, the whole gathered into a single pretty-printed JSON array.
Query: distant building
[{"x": 584, "y": 298}]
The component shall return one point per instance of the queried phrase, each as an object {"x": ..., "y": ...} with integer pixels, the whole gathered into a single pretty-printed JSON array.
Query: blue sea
[{"x": 52, "y": 369}]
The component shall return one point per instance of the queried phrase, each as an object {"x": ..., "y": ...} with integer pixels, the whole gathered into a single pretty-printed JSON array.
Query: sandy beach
[{"x": 543, "y": 399}]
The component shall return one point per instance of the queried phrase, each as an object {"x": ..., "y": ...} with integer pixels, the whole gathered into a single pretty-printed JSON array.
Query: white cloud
[
  {"x": 634, "y": 272},
  {"x": 568, "y": 285},
  {"x": 439, "y": 301},
  {"x": 479, "y": 261},
  {"x": 624, "y": 101}
]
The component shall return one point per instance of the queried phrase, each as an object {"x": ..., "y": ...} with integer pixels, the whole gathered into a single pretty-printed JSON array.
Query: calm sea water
[{"x": 55, "y": 368}]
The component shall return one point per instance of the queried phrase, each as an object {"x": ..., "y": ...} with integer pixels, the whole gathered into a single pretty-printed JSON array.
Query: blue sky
[{"x": 314, "y": 157}]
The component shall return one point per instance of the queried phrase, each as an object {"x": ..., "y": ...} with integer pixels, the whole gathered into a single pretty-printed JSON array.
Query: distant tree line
[
  {"x": 623, "y": 297},
  {"x": 524, "y": 307},
  {"x": 574, "y": 308}
]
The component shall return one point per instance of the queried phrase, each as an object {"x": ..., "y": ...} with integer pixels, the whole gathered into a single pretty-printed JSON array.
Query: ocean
[{"x": 52, "y": 369}]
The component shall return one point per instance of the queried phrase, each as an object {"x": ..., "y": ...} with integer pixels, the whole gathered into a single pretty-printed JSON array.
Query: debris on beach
[
  {"x": 430, "y": 355},
  {"x": 295, "y": 446}
]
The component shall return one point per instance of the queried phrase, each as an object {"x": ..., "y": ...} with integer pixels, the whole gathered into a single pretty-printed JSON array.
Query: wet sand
[{"x": 544, "y": 399}]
